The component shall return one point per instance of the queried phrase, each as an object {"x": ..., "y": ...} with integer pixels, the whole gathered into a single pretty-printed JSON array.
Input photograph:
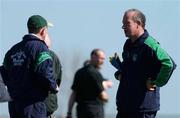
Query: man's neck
[
  {"x": 36, "y": 35},
  {"x": 140, "y": 33}
]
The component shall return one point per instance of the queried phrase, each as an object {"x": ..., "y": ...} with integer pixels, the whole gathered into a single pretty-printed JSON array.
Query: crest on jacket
[{"x": 18, "y": 58}]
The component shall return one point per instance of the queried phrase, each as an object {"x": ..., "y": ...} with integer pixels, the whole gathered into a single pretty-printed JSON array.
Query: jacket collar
[
  {"x": 141, "y": 39},
  {"x": 31, "y": 37}
]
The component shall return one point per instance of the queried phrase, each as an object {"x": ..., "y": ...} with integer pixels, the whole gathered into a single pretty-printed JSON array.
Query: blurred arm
[
  {"x": 104, "y": 96},
  {"x": 71, "y": 103},
  {"x": 107, "y": 84}
]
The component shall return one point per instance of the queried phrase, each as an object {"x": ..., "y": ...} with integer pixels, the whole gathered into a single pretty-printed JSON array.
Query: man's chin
[
  {"x": 98, "y": 67},
  {"x": 127, "y": 35}
]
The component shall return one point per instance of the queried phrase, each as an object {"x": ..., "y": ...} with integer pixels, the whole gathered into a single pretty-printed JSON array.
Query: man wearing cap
[{"x": 28, "y": 66}]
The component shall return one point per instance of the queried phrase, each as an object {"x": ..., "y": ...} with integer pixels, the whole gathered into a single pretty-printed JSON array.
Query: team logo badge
[
  {"x": 134, "y": 57},
  {"x": 18, "y": 58}
]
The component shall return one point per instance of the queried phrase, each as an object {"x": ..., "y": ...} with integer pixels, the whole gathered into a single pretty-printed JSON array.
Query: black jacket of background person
[
  {"x": 28, "y": 66},
  {"x": 88, "y": 86},
  {"x": 142, "y": 59}
]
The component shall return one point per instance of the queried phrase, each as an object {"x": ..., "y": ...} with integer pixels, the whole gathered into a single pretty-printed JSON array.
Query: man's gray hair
[{"x": 138, "y": 17}]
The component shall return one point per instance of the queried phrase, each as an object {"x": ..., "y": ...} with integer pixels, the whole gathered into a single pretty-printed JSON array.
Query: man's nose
[{"x": 123, "y": 27}]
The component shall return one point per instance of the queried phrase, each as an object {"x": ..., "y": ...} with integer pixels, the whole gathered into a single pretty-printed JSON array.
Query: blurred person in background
[{"x": 88, "y": 90}]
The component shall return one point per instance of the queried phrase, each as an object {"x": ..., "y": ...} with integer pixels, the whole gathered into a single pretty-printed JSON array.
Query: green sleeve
[
  {"x": 166, "y": 62},
  {"x": 43, "y": 56}
]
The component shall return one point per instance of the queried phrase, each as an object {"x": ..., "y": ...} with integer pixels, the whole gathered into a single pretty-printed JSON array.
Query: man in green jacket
[{"x": 52, "y": 99}]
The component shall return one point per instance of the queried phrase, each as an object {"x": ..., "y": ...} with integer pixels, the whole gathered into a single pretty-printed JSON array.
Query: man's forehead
[
  {"x": 128, "y": 16},
  {"x": 101, "y": 54}
]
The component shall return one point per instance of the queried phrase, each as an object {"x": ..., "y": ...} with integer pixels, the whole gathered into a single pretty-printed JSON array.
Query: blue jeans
[
  {"x": 136, "y": 114},
  {"x": 25, "y": 110}
]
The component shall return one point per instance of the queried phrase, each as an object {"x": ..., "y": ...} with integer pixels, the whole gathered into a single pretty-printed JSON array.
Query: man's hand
[
  {"x": 69, "y": 115},
  {"x": 150, "y": 86},
  {"x": 104, "y": 96},
  {"x": 57, "y": 88},
  {"x": 107, "y": 84},
  {"x": 115, "y": 61}
]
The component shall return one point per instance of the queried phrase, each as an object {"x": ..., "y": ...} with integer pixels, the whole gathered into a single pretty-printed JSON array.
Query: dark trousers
[
  {"x": 90, "y": 111},
  {"x": 26, "y": 110},
  {"x": 136, "y": 114}
]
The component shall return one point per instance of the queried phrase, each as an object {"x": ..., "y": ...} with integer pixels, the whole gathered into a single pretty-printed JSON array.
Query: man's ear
[
  {"x": 43, "y": 31},
  {"x": 139, "y": 23}
]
